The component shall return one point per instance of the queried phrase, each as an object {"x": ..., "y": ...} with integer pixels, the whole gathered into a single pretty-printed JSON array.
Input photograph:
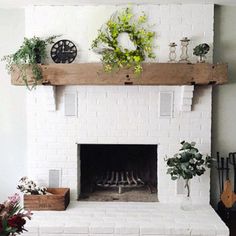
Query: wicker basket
[{"x": 58, "y": 201}]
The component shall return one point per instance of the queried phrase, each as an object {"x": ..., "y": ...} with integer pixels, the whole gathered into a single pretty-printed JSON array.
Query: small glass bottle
[
  {"x": 172, "y": 53},
  {"x": 184, "y": 50},
  {"x": 201, "y": 58}
]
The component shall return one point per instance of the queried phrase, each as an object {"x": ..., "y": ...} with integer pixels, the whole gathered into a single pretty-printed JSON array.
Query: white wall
[
  {"x": 81, "y": 23},
  {"x": 118, "y": 114},
  {"x": 224, "y": 97},
  {"x": 12, "y": 107}
]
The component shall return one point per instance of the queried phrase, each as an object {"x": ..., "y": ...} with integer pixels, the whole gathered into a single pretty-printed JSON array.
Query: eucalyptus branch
[{"x": 187, "y": 186}]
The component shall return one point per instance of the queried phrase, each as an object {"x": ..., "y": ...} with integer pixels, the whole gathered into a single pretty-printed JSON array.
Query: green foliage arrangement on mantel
[
  {"x": 30, "y": 54},
  {"x": 114, "y": 56},
  {"x": 201, "y": 49},
  {"x": 187, "y": 163}
]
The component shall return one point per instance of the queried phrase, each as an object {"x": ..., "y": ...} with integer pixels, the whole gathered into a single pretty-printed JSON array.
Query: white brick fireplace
[{"x": 119, "y": 114}]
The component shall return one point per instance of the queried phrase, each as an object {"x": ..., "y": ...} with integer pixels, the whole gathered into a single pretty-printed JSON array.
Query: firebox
[{"x": 118, "y": 172}]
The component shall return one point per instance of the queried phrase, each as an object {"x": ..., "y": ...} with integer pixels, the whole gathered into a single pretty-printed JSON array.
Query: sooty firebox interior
[{"x": 118, "y": 172}]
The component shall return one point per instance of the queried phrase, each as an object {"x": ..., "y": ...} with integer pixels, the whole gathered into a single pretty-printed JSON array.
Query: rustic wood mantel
[{"x": 153, "y": 74}]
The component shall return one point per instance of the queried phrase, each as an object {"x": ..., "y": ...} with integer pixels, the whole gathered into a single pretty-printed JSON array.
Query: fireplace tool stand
[{"x": 226, "y": 205}]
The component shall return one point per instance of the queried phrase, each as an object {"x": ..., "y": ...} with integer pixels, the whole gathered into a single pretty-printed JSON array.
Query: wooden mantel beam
[{"x": 153, "y": 74}]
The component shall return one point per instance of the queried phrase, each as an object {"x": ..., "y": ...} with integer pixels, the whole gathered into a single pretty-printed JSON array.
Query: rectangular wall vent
[
  {"x": 166, "y": 104},
  {"x": 70, "y": 101},
  {"x": 54, "y": 178}
]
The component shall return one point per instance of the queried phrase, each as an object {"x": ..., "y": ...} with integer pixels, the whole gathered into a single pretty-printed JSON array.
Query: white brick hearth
[{"x": 127, "y": 219}]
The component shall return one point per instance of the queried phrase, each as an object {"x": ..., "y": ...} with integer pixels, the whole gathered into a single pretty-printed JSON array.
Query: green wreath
[{"x": 107, "y": 44}]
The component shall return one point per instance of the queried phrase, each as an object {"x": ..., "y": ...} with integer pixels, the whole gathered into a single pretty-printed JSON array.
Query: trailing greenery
[
  {"x": 187, "y": 163},
  {"x": 107, "y": 44},
  {"x": 201, "y": 49},
  {"x": 31, "y": 52}
]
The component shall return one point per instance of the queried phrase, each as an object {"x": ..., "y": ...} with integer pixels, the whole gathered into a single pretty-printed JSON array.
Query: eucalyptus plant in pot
[
  {"x": 28, "y": 56},
  {"x": 186, "y": 164}
]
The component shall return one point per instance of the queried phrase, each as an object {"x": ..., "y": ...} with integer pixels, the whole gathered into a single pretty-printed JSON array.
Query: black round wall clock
[{"x": 63, "y": 51}]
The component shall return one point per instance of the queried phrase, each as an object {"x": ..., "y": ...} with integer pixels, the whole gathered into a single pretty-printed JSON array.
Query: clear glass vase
[
  {"x": 186, "y": 203},
  {"x": 201, "y": 59}
]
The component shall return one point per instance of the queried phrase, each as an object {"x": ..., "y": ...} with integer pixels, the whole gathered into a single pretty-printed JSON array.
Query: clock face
[{"x": 63, "y": 51}]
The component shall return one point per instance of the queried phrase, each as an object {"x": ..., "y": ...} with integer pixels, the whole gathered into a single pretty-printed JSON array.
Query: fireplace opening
[{"x": 118, "y": 172}]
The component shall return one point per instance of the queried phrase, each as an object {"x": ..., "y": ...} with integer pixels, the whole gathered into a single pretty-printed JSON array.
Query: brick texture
[
  {"x": 127, "y": 219},
  {"x": 118, "y": 114}
]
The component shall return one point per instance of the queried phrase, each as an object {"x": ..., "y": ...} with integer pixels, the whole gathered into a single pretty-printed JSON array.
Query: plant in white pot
[{"x": 186, "y": 164}]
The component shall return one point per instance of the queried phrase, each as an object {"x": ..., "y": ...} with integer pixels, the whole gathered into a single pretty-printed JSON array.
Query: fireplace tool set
[
  {"x": 120, "y": 180},
  {"x": 227, "y": 192}
]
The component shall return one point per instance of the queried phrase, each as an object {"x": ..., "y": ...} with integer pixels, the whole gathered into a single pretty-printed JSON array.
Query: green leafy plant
[
  {"x": 201, "y": 49},
  {"x": 31, "y": 53},
  {"x": 187, "y": 163},
  {"x": 107, "y": 43}
]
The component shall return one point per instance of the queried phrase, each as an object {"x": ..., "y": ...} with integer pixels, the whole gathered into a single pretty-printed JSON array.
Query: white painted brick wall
[{"x": 118, "y": 114}]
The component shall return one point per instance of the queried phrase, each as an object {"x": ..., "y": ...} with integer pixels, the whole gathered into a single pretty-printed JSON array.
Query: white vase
[{"x": 186, "y": 203}]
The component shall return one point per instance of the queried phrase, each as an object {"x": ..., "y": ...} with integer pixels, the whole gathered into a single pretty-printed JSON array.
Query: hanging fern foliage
[
  {"x": 114, "y": 56},
  {"x": 30, "y": 54}
]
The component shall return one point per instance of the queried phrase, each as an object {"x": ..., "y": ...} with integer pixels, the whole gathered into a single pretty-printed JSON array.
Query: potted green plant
[
  {"x": 201, "y": 50},
  {"x": 186, "y": 164},
  {"x": 31, "y": 53}
]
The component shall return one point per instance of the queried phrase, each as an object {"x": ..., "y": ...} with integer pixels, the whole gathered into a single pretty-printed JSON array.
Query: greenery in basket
[
  {"x": 114, "y": 56},
  {"x": 31, "y": 53},
  {"x": 187, "y": 163}
]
